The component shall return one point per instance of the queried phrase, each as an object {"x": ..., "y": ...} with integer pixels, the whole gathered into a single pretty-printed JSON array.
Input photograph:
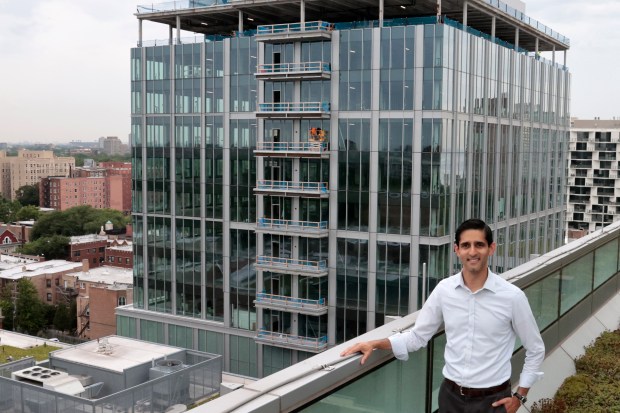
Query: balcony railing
[
  {"x": 314, "y": 30},
  {"x": 303, "y": 70},
  {"x": 291, "y": 266},
  {"x": 292, "y": 227},
  {"x": 291, "y": 304},
  {"x": 292, "y": 149},
  {"x": 283, "y": 110},
  {"x": 312, "y": 344},
  {"x": 288, "y": 188}
]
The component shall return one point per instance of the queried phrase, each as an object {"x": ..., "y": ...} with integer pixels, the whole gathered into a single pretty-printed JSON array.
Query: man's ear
[{"x": 492, "y": 248}]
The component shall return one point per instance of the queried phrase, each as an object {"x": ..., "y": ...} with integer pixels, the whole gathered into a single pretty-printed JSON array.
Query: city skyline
[{"x": 55, "y": 94}]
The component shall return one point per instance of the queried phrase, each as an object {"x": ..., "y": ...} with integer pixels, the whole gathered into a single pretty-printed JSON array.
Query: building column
[
  {"x": 240, "y": 22},
  {"x": 302, "y": 14},
  {"x": 438, "y": 9},
  {"x": 381, "y": 12},
  {"x": 493, "y": 27},
  {"x": 564, "y": 58},
  {"x": 536, "y": 46},
  {"x": 553, "y": 55},
  {"x": 178, "y": 29},
  {"x": 517, "y": 40},
  {"x": 465, "y": 13},
  {"x": 139, "y": 32},
  {"x": 170, "y": 35}
]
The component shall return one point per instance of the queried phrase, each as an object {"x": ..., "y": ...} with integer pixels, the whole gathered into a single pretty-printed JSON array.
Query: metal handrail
[
  {"x": 290, "y": 301},
  {"x": 291, "y": 224},
  {"x": 294, "y": 67},
  {"x": 314, "y": 187},
  {"x": 311, "y": 342},
  {"x": 294, "y": 107},
  {"x": 292, "y": 146},
  {"x": 292, "y": 263},
  {"x": 313, "y": 26}
]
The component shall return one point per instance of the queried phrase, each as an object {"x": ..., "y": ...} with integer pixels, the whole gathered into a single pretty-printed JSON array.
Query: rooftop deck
[{"x": 221, "y": 17}]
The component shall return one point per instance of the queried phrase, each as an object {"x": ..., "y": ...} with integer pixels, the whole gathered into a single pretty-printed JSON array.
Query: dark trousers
[{"x": 450, "y": 401}]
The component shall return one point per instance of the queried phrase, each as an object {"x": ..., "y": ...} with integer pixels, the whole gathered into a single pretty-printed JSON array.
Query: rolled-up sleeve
[
  {"x": 428, "y": 322},
  {"x": 526, "y": 328}
]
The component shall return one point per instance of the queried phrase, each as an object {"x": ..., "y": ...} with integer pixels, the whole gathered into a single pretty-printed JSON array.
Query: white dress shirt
[{"x": 481, "y": 328}]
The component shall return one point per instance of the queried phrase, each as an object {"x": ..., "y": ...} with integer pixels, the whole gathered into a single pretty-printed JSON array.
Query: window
[
  {"x": 49, "y": 296},
  {"x": 126, "y": 260},
  {"x": 120, "y": 259},
  {"x": 101, "y": 249},
  {"x": 48, "y": 283},
  {"x": 76, "y": 254},
  {"x": 57, "y": 281},
  {"x": 121, "y": 300},
  {"x": 111, "y": 259}
]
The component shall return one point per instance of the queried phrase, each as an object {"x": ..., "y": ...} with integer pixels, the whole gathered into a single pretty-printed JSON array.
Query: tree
[
  {"x": 80, "y": 220},
  {"x": 54, "y": 247},
  {"x": 8, "y": 209},
  {"x": 28, "y": 212},
  {"x": 29, "y": 310},
  {"x": 62, "y": 318},
  {"x": 28, "y": 195}
]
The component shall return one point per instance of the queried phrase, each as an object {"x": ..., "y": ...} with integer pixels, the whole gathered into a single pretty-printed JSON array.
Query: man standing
[{"x": 482, "y": 314}]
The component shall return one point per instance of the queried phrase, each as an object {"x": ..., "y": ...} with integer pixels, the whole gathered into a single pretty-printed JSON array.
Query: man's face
[{"x": 474, "y": 251}]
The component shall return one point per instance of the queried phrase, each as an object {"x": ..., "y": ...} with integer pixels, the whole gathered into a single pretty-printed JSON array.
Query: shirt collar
[{"x": 490, "y": 284}]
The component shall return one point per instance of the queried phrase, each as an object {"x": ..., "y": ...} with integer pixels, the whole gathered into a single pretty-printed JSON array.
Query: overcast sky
[{"x": 64, "y": 72}]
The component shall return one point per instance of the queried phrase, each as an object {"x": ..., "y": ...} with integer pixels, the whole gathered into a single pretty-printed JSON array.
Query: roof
[
  {"x": 106, "y": 275},
  {"x": 125, "y": 353},
  {"x": 83, "y": 239},
  {"x": 33, "y": 269},
  {"x": 222, "y": 16},
  {"x": 595, "y": 123}
]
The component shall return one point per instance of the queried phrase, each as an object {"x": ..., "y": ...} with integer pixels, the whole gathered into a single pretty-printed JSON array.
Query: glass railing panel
[
  {"x": 292, "y": 263},
  {"x": 304, "y": 303},
  {"x": 313, "y": 26},
  {"x": 606, "y": 262},
  {"x": 287, "y": 186},
  {"x": 311, "y": 343},
  {"x": 543, "y": 299},
  {"x": 294, "y": 107},
  {"x": 294, "y": 67},
  {"x": 576, "y": 282},
  {"x": 311, "y": 147},
  {"x": 395, "y": 387},
  {"x": 286, "y": 224}
]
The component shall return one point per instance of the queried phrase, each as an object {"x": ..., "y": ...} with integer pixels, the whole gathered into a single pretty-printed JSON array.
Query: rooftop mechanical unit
[{"x": 49, "y": 379}]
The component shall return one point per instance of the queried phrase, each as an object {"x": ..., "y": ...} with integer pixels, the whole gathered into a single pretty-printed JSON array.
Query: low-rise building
[
  {"x": 46, "y": 276},
  {"x": 88, "y": 247},
  {"x": 100, "y": 290},
  {"x": 119, "y": 253}
]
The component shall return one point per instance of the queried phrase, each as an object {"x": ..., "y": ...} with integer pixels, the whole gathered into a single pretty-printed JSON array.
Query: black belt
[{"x": 469, "y": 392}]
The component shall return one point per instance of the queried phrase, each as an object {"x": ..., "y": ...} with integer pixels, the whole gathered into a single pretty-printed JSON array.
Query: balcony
[
  {"x": 293, "y": 110},
  {"x": 311, "y": 344},
  {"x": 287, "y": 188},
  {"x": 291, "y": 304},
  {"x": 292, "y": 149},
  {"x": 291, "y": 266},
  {"x": 294, "y": 71},
  {"x": 293, "y": 32},
  {"x": 306, "y": 229}
]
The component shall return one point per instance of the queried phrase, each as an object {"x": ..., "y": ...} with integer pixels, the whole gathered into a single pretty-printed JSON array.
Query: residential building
[
  {"x": 14, "y": 235},
  {"x": 593, "y": 180},
  {"x": 89, "y": 248},
  {"x": 46, "y": 276},
  {"x": 298, "y": 182},
  {"x": 62, "y": 193},
  {"x": 100, "y": 290},
  {"x": 28, "y": 167},
  {"x": 119, "y": 253},
  {"x": 112, "y": 145}
]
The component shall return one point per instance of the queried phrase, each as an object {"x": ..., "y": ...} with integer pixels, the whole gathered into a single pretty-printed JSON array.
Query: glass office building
[{"x": 300, "y": 170}]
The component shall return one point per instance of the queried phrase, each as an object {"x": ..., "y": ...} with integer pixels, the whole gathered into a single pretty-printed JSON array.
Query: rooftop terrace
[{"x": 222, "y": 17}]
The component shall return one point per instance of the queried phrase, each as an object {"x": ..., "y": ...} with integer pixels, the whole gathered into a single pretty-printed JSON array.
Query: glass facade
[{"x": 348, "y": 219}]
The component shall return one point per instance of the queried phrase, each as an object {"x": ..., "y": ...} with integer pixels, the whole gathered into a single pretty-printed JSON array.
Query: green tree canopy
[
  {"x": 80, "y": 220},
  {"x": 54, "y": 247},
  {"x": 8, "y": 209},
  {"x": 62, "y": 318},
  {"x": 28, "y": 195},
  {"x": 28, "y": 212}
]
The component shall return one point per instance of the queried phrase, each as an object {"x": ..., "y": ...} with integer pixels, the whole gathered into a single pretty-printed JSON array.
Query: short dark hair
[{"x": 474, "y": 224}]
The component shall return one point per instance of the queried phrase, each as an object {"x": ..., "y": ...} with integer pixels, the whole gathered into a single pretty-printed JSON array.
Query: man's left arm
[{"x": 524, "y": 325}]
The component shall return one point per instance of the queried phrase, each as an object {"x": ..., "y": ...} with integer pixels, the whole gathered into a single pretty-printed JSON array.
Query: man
[{"x": 482, "y": 314}]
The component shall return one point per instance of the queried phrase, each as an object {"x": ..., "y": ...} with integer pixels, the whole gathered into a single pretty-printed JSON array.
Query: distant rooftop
[
  {"x": 106, "y": 275},
  {"x": 33, "y": 269},
  {"x": 82, "y": 239},
  {"x": 124, "y": 354},
  {"x": 221, "y": 17}
]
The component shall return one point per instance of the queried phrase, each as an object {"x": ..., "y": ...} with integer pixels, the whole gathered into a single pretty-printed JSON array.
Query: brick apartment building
[
  {"x": 88, "y": 247},
  {"x": 119, "y": 253},
  {"x": 107, "y": 185},
  {"x": 100, "y": 291},
  {"x": 28, "y": 167}
]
